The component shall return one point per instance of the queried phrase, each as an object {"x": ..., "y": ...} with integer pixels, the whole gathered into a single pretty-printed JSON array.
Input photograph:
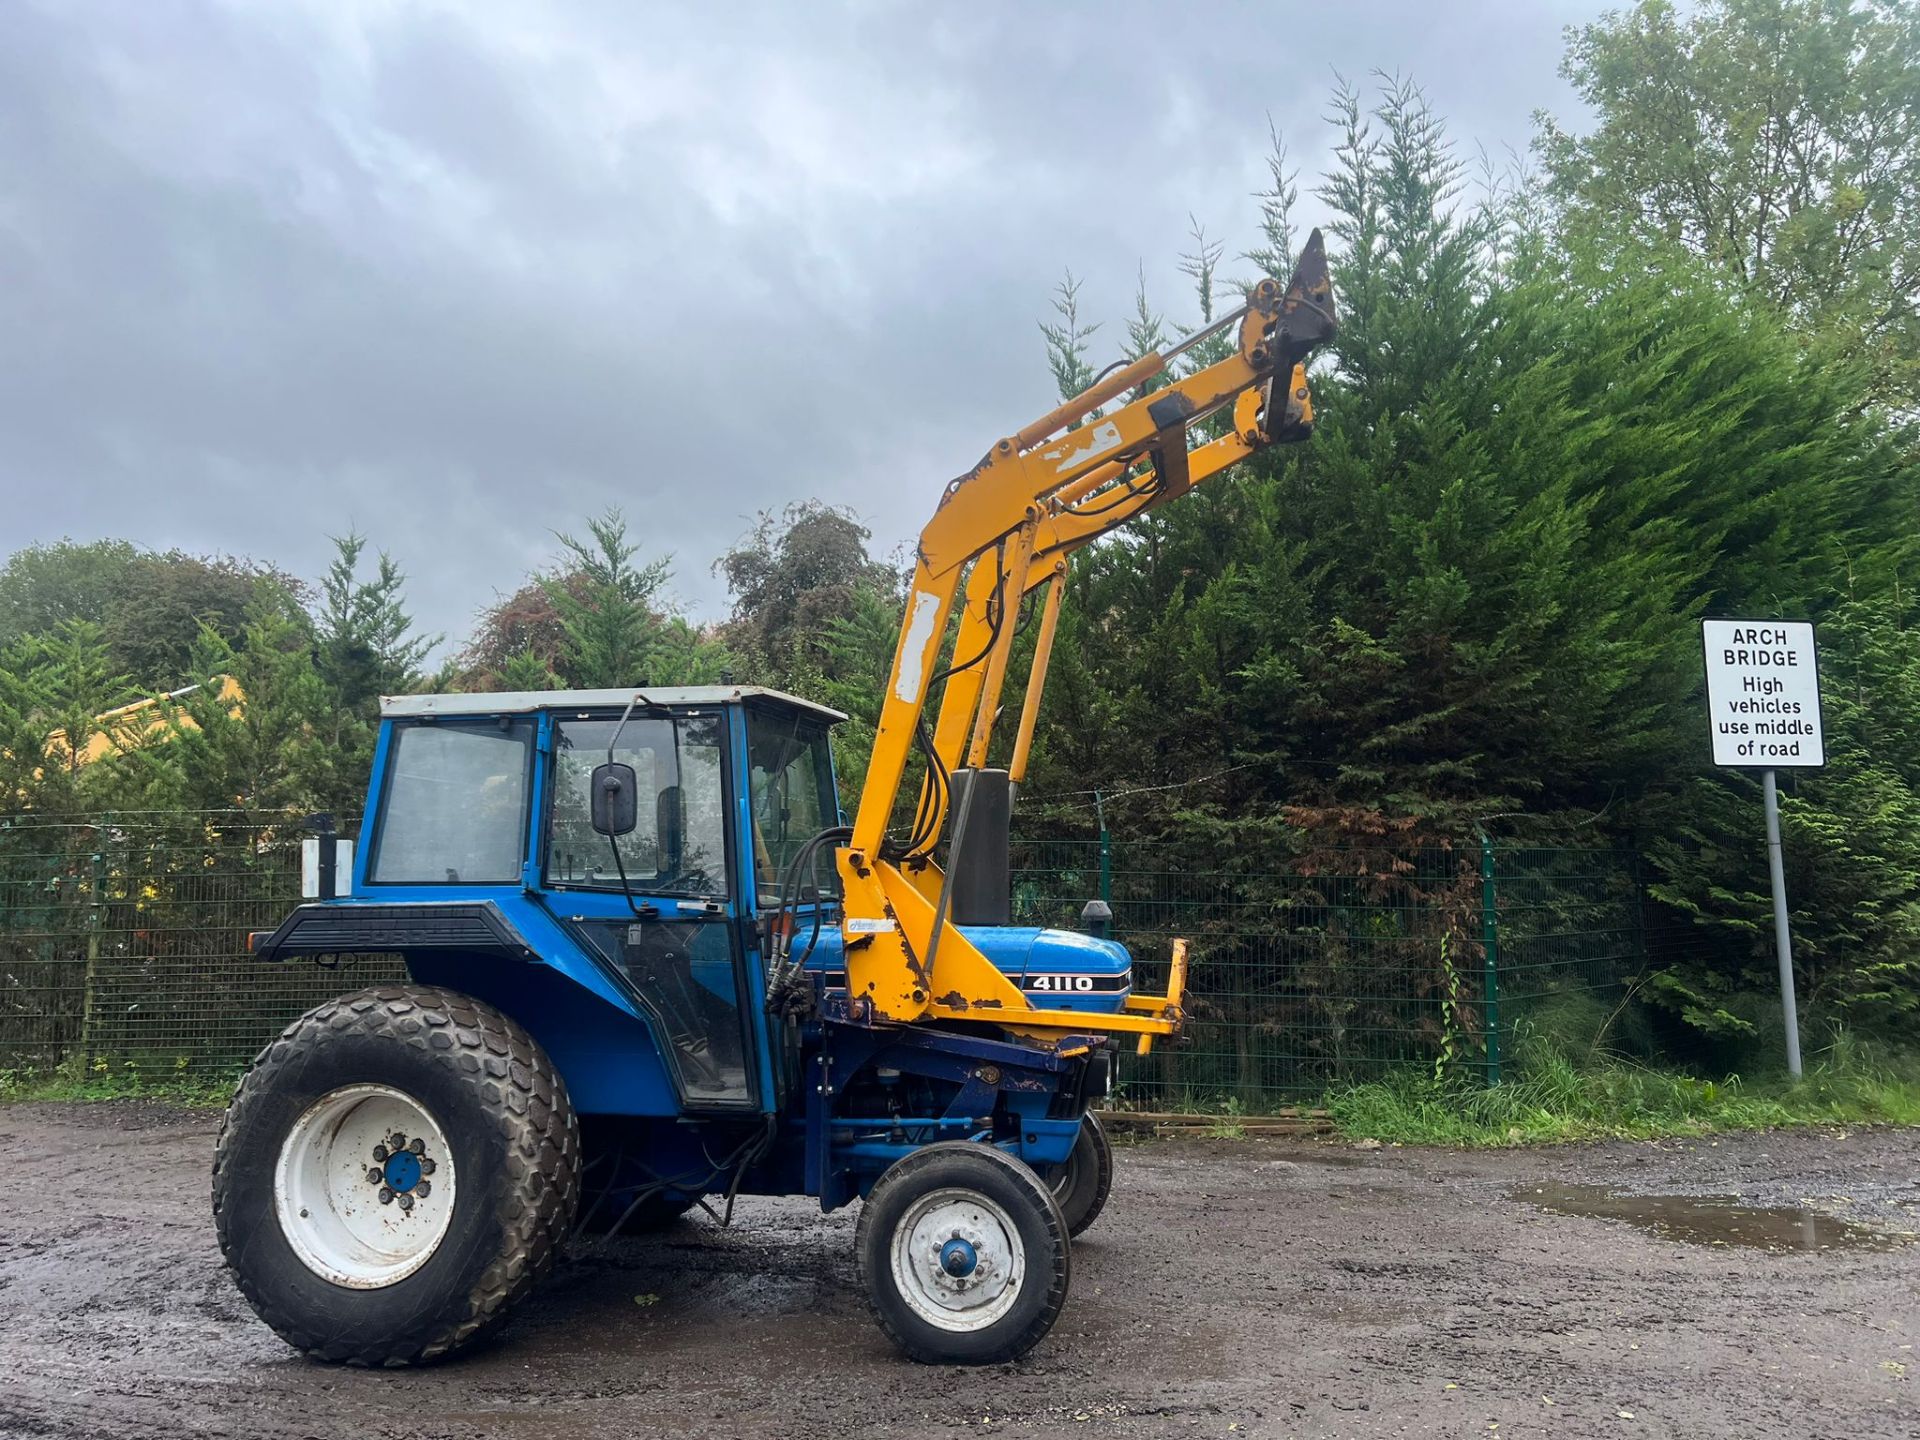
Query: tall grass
[
  {"x": 1556, "y": 1093},
  {"x": 177, "y": 1086}
]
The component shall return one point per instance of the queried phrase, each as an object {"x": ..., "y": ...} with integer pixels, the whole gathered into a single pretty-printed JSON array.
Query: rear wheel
[
  {"x": 964, "y": 1255},
  {"x": 1084, "y": 1182},
  {"x": 394, "y": 1174}
]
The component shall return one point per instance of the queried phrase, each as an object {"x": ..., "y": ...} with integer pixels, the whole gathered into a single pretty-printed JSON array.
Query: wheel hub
[
  {"x": 958, "y": 1260},
  {"x": 352, "y": 1190},
  {"x": 402, "y": 1171}
]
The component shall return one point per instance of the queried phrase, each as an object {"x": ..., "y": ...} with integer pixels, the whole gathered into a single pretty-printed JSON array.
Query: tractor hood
[{"x": 1058, "y": 969}]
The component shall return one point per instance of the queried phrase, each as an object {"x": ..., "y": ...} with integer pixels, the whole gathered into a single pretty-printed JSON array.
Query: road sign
[
  {"x": 1763, "y": 704},
  {"x": 1763, "y": 693}
]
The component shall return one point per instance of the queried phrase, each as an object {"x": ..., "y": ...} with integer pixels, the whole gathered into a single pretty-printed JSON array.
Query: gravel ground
[{"x": 1252, "y": 1288}]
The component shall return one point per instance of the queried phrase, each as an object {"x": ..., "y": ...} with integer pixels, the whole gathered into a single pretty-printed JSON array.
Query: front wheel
[
  {"x": 396, "y": 1170},
  {"x": 964, "y": 1255}
]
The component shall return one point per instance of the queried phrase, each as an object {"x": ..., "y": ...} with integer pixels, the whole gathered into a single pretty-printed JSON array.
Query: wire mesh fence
[
  {"x": 1325, "y": 970},
  {"x": 123, "y": 942},
  {"x": 1561, "y": 924},
  {"x": 123, "y": 949}
]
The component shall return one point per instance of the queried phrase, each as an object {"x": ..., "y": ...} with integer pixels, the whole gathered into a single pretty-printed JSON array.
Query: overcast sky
[{"x": 462, "y": 275}]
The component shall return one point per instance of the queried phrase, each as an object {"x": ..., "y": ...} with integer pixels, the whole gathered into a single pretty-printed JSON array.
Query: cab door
[
  {"x": 660, "y": 906},
  {"x": 788, "y": 796}
]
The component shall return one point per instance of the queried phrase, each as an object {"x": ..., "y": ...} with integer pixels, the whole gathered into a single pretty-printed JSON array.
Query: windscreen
[{"x": 791, "y": 784}]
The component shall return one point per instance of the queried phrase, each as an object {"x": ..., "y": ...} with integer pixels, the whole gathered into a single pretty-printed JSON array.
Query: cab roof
[{"x": 518, "y": 702}]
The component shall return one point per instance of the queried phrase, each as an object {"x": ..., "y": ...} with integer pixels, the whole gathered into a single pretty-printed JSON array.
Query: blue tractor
[{"x": 652, "y": 966}]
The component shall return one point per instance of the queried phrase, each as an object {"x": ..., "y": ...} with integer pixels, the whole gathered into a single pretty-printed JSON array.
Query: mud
[{"x": 1257, "y": 1288}]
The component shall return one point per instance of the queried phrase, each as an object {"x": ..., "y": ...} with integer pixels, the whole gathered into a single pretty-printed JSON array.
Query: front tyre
[
  {"x": 963, "y": 1253},
  {"x": 395, "y": 1172}
]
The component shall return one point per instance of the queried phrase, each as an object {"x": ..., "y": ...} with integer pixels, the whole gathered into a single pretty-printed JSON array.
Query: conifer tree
[
  {"x": 606, "y": 606},
  {"x": 56, "y": 691},
  {"x": 366, "y": 642},
  {"x": 1472, "y": 598},
  {"x": 527, "y": 671}
]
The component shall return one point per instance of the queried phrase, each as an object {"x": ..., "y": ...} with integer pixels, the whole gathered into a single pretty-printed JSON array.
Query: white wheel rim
[
  {"x": 965, "y": 1226},
  {"x": 337, "y": 1162}
]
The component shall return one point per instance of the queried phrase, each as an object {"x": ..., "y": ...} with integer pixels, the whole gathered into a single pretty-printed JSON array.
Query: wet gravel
[{"x": 1259, "y": 1288}]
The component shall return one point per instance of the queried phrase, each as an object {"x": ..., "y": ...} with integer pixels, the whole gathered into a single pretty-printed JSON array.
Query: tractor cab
[{"x": 626, "y": 840}]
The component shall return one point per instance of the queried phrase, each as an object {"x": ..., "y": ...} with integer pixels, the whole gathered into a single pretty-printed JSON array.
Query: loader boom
[{"x": 1002, "y": 530}]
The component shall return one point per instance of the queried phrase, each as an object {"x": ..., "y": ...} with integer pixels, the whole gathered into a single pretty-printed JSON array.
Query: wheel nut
[
  {"x": 406, "y": 1202},
  {"x": 417, "y": 1145},
  {"x": 375, "y": 1174},
  {"x": 426, "y": 1167},
  {"x": 423, "y": 1189},
  {"x": 386, "y": 1196},
  {"x": 397, "y": 1140},
  {"x": 379, "y": 1154}
]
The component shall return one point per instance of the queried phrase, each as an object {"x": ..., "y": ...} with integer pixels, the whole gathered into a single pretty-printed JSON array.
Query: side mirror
[{"x": 614, "y": 800}]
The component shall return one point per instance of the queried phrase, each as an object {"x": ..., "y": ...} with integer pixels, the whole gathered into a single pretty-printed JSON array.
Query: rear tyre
[
  {"x": 1084, "y": 1182},
  {"x": 395, "y": 1172},
  {"x": 964, "y": 1255}
]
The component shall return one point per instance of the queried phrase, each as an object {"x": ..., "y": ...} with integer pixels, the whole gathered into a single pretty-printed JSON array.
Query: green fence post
[
  {"x": 1106, "y": 853},
  {"x": 90, "y": 979},
  {"x": 1639, "y": 917},
  {"x": 1490, "y": 946}
]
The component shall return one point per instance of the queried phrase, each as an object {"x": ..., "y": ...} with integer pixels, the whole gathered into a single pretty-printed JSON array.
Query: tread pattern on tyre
[
  {"x": 524, "y": 1097},
  {"x": 906, "y": 1172}
]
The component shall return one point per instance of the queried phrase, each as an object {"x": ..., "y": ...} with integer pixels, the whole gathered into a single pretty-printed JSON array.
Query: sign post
[{"x": 1763, "y": 705}]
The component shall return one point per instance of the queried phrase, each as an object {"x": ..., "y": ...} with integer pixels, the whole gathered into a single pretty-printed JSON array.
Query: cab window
[
  {"x": 678, "y": 846},
  {"x": 455, "y": 807},
  {"x": 790, "y": 780}
]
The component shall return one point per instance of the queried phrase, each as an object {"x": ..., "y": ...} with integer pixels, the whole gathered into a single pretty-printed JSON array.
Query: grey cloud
[{"x": 463, "y": 276}]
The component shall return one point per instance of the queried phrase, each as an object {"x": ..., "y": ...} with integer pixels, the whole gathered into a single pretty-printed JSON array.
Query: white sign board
[{"x": 1763, "y": 693}]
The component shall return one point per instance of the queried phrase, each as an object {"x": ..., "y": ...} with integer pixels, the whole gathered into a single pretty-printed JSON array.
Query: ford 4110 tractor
[{"x": 650, "y": 966}]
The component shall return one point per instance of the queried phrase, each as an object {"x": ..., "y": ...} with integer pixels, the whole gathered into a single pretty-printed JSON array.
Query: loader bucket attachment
[
  {"x": 1307, "y": 318},
  {"x": 1306, "y": 321}
]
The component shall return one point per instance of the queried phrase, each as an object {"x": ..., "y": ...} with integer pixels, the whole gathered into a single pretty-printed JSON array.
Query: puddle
[{"x": 1711, "y": 1219}]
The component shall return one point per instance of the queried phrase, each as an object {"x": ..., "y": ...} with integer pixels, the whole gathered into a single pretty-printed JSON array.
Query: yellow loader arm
[{"x": 1002, "y": 530}]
